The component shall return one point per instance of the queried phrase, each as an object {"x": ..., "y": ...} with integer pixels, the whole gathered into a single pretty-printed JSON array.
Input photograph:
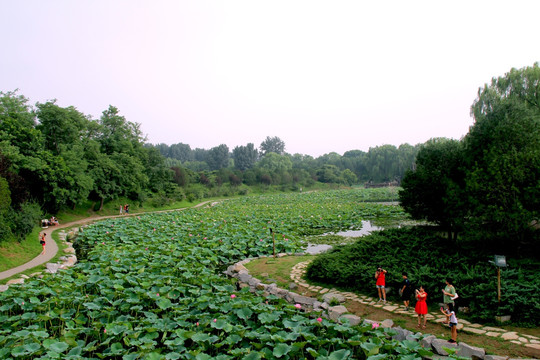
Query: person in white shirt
[{"x": 450, "y": 314}]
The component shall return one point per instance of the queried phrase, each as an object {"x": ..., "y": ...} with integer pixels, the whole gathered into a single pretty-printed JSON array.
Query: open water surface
[{"x": 367, "y": 228}]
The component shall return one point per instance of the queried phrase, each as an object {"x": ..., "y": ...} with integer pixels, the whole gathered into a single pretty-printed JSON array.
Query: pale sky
[{"x": 324, "y": 76}]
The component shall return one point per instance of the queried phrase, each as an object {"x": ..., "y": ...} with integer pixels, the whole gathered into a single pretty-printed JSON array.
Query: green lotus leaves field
[{"x": 151, "y": 287}]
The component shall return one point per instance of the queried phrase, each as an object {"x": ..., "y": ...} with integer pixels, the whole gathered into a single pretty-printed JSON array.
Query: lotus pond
[{"x": 151, "y": 287}]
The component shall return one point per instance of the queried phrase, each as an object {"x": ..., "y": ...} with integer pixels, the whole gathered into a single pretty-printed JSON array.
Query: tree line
[
  {"x": 270, "y": 164},
  {"x": 486, "y": 185},
  {"x": 54, "y": 157}
]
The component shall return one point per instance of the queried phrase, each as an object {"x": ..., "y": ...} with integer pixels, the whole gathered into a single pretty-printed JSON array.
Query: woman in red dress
[
  {"x": 380, "y": 283},
  {"x": 421, "y": 306}
]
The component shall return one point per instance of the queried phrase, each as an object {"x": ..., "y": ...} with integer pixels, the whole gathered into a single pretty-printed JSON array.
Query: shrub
[{"x": 429, "y": 258}]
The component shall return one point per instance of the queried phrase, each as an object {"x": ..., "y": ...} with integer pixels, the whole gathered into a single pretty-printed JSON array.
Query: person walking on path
[
  {"x": 449, "y": 293},
  {"x": 380, "y": 283},
  {"x": 421, "y": 307},
  {"x": 42, "y": 242},
  {"x": 451, "y": 318},
  {"x": 405, "y": 291}
]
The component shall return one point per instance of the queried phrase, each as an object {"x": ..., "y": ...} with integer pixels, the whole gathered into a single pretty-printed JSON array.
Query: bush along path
[{"x": 331, "y": 307}]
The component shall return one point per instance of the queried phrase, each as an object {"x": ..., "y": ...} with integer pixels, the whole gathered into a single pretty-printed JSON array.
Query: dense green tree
[
  {"x": 272, "y": 144},
  {"x": 503, "y": 157},
  {"x": 181, "y": 152},
  {"x": 5, "y": 196},
  {"x": 431, "y": 191},
  {"x": 159, "y": 176},
  {"x": 274, "y": 162},
  {"x": 348, "y": 177},
  {"x": 218, "y": 157},
  {"x": 60, "y": 126},
  {"x": 245, "y": 156},
  {"x": 117, "y": 135},
  {"x": 382, "y": 163},
  {"x": 328, "y": 174}
]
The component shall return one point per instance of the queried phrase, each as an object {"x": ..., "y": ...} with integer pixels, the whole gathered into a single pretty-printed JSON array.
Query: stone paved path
[
  {"x": 51, "y": 248},
  {"x": 514, "y": 337}
]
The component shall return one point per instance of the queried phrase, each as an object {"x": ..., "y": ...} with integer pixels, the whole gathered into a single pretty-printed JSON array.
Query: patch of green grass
[
  {"x": 277, "y": 269},
  {"x": 13, "y": 254},
  {"x": 61, "y": 246}
]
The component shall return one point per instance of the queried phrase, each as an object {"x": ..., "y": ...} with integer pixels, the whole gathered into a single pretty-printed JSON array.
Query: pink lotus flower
[
  {"x": 374, "y": 325},
  {"x": 103, "y": 243},
  {"x": 319, "y": 319},
  {"x": 154, "y": 229},
  {"x": 104, "y": 330},
  {"x": 298, "y": 306},
  {"x": 107, "y": 232},
  {"x": 233, "y": 296},
  {"x": 157, "y": 294},
  {"x": 215, "y": 320},
  {"x": 145, "y": 248},
  {"x": 197, "y": 323},
  {"x": 22, "y": 303}
]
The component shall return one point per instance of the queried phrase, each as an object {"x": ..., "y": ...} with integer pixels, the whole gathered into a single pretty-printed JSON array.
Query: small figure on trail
[
  {"x": 421, "y": 307},
  {"x": 121, "y": 210},
  {"x": 126, "y": 209},
  {"x": 380, "y": 284},
  {"x": 449, "y": 293},
  {"x": 451, "y": 319},
  {"x": 42, "y": 242},
  {"x": 405, "y": 291}
]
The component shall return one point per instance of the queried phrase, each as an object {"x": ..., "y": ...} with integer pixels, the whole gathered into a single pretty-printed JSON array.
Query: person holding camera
[
  {"x": 380, "y": 284},
  {"x": 421, "y": 306}
]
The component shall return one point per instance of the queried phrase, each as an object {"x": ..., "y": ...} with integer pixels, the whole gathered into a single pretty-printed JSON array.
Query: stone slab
[
  {"x": 489, "y": 328},
  {"x": 493, "y": 334},
  {"x": 474, "y": 330},
  {"x": 533, "y": 346},
  {"x": 510, "y": 336}
]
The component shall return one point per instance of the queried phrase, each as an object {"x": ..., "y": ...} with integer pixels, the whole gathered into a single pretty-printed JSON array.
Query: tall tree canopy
[
  {"x": 502, "y": 155},
  {"x": 491, "y": 185},
  {"x": 272, "y": 144}
]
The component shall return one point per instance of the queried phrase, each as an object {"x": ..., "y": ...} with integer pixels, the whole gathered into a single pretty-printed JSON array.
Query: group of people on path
[
  {"x": 421, "y": 308},
  {"x": 124, "y": 210}
]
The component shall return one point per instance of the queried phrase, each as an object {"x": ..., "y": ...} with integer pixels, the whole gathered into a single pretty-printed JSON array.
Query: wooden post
[
  {"x": 274, "y": 240},
  {"x": 499, "y": 285}
]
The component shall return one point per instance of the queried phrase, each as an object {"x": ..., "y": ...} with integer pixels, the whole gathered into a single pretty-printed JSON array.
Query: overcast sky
[{"x": 324, "y": 76}]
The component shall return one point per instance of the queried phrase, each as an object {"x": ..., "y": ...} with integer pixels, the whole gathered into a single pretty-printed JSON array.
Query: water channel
[{"x": 367, "y": 228}]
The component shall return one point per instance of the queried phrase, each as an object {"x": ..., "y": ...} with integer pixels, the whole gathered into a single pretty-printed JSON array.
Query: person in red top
[
  {"x": 42, "y": 242},
  {"x": 421, "y": 306},
  {"x": 380, "y": 283}
]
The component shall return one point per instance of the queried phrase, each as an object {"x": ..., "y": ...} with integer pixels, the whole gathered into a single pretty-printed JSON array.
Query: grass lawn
[{"x": 13, "y": 254}]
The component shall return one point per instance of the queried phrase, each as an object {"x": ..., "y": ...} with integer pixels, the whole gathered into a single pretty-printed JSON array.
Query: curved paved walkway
[{"x": 51, "y": 248}]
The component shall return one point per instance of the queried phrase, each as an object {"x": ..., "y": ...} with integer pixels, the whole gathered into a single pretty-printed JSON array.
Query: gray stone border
[{"x": 340, "y": 313}]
